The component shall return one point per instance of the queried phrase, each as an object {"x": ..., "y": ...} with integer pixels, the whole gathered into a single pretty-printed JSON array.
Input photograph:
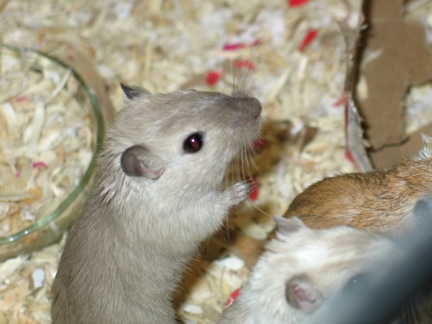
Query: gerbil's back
[
  {"x": 98, "y": 266},
  {"x": 379, "y": 200}
]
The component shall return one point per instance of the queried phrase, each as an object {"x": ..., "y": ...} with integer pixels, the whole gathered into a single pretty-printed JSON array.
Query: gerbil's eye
[
  {"x": 356, "y": 281},
  {"x": 193, "y": 143}
]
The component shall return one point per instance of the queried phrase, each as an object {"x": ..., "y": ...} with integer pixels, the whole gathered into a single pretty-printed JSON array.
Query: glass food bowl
[{"x": 51, "y": 127}]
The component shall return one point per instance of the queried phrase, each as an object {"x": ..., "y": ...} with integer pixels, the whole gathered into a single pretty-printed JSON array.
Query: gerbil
[
  {"x": 379, "y": 200},
  {"x": 398, "y": 293},
  {"x": 301, "y": 269},
  {"x": 157, "y": 195}
]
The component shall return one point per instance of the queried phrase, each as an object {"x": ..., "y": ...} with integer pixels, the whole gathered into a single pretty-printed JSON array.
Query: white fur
[
  {"x": 426, "y": 152},
  {"x": 329, "y": 258}
]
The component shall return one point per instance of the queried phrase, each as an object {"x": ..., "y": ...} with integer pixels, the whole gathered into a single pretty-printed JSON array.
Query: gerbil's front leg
[{"x": 238, "y": 192}]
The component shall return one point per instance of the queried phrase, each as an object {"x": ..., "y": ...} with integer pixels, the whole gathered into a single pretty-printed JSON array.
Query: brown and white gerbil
[
  {"x": 301, "y": 269},
  {"x": 400, "y": 291},
  {"x": 379, "y": 200},
  {"x": 157, "y": 195}
]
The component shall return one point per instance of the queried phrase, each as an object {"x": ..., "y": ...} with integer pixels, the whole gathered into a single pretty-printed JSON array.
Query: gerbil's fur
[
  {"x": 301, "y": 268},
  {"x": 379, "y": 200},
  {"x": 155, "y": 198}
]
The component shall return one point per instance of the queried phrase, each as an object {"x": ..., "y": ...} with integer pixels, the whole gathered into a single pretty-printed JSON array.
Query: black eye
[
  {"x": 193, "y": 143},
  {"x": 356, "y": 281}
]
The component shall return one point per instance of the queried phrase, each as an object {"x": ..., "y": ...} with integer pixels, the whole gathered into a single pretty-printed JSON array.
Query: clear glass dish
[{"x": 51, "y": 127}]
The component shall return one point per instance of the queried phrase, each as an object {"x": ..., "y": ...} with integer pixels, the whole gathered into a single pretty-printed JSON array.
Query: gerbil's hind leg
[
  {"x": 238, "y": 192},
  {"x": 248, "y": 249}
]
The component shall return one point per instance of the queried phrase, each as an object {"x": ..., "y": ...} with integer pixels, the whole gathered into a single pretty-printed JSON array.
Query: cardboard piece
[
  {"x": 353, "y": 130},
  {"x": 390, "y": 55}
]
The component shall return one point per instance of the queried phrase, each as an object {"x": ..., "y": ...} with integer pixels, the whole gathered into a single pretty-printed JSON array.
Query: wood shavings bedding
[
  {"x": 47, "y": 138},
  {"x": 165, "y": 45}
]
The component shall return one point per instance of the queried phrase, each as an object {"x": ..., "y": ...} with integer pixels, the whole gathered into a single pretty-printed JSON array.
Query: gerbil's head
[
  {"x": 302, "y": 267},
  {"x": 183, "y": 139}
]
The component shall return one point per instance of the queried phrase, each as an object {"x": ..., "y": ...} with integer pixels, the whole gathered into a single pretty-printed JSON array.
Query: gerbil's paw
[{"x": 239, "y": 192}]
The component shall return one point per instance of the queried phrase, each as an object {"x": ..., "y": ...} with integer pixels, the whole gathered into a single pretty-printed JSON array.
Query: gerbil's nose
[{"x": 249, "y": 105}]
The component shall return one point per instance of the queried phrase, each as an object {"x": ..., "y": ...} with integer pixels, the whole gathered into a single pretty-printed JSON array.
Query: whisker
[
  {"x": 250, "y": 161},
  {"x": 243, "y": 166},
  {"x": 234, "y": 77},
  {"x": 240, "y": 167},
  {"x": 263, "y": 212},
  {"x": 250, "y": 152},
  {"x": 244, "y": 75},
  {"x": 249, "y": 158},
  {"x": 253, "y": 163}
]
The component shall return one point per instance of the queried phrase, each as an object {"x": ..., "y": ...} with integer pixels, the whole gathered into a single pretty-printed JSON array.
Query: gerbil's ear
[
  {"x": 426, "y": 152},
  {"x": 137, "y": 161},
  {"x": 423, "y": 211},
  {"x": 301, "y": 294},
  {"x": 289, "y": 225},
  {"x": 133, "y": 92}
]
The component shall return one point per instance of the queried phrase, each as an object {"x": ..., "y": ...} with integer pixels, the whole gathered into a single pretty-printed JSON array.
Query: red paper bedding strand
[
  {"x": 297, "y": 3},
  {"x": 237, "y": 46},
  {"x": 255, "y": 192},
  {"x": 310, "y": 36},
  {"x": 246, "y": 64},
  {"x": 213, "y": 77}
]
